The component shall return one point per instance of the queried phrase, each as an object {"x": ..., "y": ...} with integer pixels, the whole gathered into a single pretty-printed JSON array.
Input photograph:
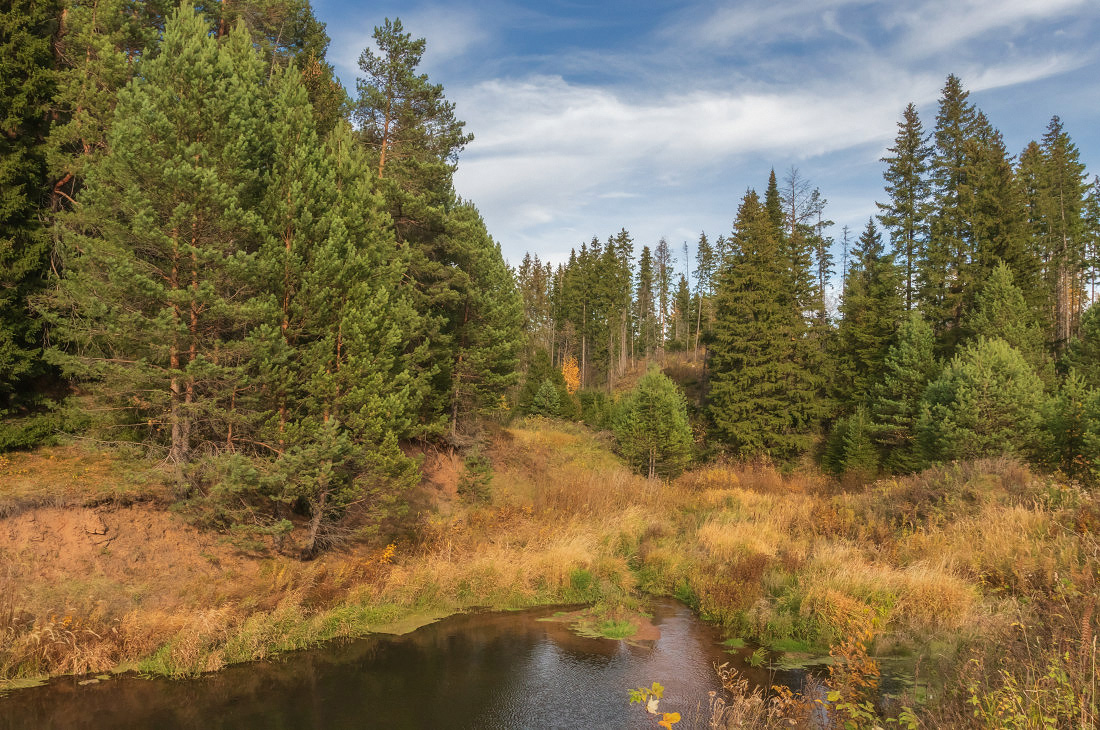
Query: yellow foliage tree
[{"x": 572, "y": 374}]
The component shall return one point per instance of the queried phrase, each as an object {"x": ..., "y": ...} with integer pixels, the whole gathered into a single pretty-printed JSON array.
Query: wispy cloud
[
  {"x": 935, "y": 26},
  {"x": 661, "y": 131}
]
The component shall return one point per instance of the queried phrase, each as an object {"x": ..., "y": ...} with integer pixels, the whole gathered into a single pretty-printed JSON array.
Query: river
[{"x": 477, "y": 670}]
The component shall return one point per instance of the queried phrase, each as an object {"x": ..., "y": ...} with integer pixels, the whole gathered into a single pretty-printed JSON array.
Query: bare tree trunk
[
  {"x": 193, "y": 334},
  {"x": 317, "y": 519},
  {"x": 177, "y": 451},
  {"x": 698, "y": 323}
]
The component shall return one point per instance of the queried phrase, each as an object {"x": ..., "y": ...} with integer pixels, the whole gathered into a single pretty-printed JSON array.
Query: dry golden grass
[{"x": 956, "y": 555}]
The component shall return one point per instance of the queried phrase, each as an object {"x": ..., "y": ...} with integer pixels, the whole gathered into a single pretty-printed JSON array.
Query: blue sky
[{"x": 656, "y": 116}]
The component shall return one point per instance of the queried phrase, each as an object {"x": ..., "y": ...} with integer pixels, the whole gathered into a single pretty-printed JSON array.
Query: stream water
[{"x": 480, "y": 670}]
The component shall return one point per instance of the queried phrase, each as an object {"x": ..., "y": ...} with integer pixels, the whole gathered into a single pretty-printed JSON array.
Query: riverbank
[{"x": 982, "y": 576}]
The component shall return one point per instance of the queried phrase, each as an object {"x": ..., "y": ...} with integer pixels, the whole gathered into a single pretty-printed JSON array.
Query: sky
[{"x": 656, "y": 117}]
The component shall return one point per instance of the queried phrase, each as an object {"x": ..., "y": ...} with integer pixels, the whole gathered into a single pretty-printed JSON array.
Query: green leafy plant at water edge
[{"x": 642, "y": 695}]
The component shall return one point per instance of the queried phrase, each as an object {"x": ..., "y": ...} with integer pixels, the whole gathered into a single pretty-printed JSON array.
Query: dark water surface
[{"x": 485, "y": 670}]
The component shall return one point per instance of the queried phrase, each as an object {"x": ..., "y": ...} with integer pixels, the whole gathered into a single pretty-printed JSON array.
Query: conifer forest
[{"x": 221, "y": 268}]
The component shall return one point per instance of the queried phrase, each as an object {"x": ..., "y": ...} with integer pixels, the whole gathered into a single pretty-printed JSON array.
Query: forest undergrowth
[{"x": 982, "y": 575}]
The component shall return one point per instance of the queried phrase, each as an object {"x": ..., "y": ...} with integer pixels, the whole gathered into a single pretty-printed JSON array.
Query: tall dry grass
[{"x": 944, "y": 565}]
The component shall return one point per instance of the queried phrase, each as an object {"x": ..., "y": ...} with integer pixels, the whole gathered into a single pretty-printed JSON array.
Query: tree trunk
[
  {"x": 176, "y": 452},
  {"x": 316, "y": 520}
]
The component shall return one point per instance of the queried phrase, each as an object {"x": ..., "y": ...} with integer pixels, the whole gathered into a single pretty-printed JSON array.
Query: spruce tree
[
  {"x": 662, "y": 282},
  {"x": 706, "y": 268},
  {"x": 763, "y": 397},
  {"x": 546, "y": 401},
  {"x": 541, "y": 371},
  {"x": 644, "y": 305},
  {"x": 905, "y": 216},
  {"x": 851, "y": 449},
  {"x": 488, "y": 324},
  {"x": 945, "y": 275},
  {"x": 997, "y": 212},
  {"x": 773, "y": 204},
  {"x": 1058, "y": 213},
  {"x": 910, "y": 364},
  {"x": 1083, "y": 352},
  {"x": 1000, "y": 311},
  {"x": 869, "y": 314}
]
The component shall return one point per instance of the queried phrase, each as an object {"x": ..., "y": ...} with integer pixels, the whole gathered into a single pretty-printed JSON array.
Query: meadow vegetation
[{"x": 982, "y": 575}]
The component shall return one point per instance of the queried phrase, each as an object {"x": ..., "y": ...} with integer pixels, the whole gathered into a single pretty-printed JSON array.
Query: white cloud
[
  {"x": 664, "y": 136},
  {"x": 935, "y": 26},
  {"x": 549, "y": 153},
  {"x": 763, "y": 20}
]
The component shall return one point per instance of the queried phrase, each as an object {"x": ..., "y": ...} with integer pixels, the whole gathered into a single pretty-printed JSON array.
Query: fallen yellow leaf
[{"x": 668, "y": 719}]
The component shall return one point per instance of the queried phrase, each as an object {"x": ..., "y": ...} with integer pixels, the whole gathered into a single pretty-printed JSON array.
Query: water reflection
[{"x": 488, "y": 670}]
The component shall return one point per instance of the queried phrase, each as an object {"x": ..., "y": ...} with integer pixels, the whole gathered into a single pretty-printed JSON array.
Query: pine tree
[
  {"x": 98, "y": 45},
  {"x": 870, "y": 312},
  {"x": 167, "y": 224},
  {"x": 651, "y": 426},
  {"x": 403, "y": 117},
  {"x": 905, "y": 216},
  {"x": 1072, "y": 427},
  {"x": 986, "y": 402},
  {"x": 910, "y": 364},
  {"x": 27, "y": 78},
  {"x": 411, "y": 131},
  {"x": 341, "y": 388},
  {"x": 763, "y": 397}
]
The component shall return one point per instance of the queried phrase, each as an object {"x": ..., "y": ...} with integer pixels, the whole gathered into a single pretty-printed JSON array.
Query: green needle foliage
[
  {"x": 764, "y": 399},
  {"x": 910, "y": 364},
  {"x": 987, "y": 402},
  {"x": 27, "y": 81},
  {"x": 870, "y": 311},
  {"x": 1083, "y": 351},
  {"x": 651, "y": 426}
]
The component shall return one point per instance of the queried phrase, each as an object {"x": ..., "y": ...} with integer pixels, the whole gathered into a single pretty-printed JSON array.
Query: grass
[{"x": 983, "y": 575}]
